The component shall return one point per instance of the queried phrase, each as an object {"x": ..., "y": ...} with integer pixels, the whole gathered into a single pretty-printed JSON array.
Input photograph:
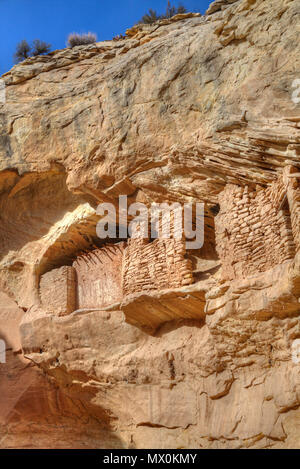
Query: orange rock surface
[{"x": 144, "y": 343}]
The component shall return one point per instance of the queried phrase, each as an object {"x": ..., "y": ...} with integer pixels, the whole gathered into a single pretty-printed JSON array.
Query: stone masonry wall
[
  {"x": 292, "y": 178},
  {"x": 99, "y": 276},
  {"x": 58, "y": 291},
  {"x": 256, "y": 229},
  {"x": 104, "y": 276},
  {"x": 253, "y": 229},
  {"x": 156, "y": 265}
]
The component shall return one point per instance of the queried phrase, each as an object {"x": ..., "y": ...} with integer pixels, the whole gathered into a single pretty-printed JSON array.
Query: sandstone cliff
[{"x": 171, "y": 348}]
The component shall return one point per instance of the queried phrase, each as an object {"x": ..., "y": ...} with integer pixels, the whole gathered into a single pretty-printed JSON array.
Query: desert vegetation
[
  {"x": 152, "y": 16},
  {"x": 25, "y": 50},
  {"x": 38, "y": 47},
  {"x": 76, "y": 39}
]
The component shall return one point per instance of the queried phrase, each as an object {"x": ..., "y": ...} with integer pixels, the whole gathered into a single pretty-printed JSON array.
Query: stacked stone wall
[
  {"x": 155, "y": 265},
  {"x": 253, "y": 229}
]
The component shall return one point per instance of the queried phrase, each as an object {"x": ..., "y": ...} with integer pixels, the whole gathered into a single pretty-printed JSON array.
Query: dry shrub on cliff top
[
  {"x": 22, "y": 51},
  {"x": 76, "y": 39},
  {"x": 172, "y": 11},
  {"x": 151, "y": 17},
  {"x": 40, "y": 47}
]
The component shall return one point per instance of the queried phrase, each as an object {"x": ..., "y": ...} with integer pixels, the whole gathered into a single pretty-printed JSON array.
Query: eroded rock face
[
  {"x": 34, "y": 413},
  {"x": 142, "y": 343}
]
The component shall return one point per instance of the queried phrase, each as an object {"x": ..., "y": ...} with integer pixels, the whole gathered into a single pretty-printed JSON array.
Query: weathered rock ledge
[{"x": 142, "y": 344}]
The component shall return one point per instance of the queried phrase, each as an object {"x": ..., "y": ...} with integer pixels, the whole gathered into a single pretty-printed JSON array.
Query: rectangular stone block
[
  {"x": 99, "y": 277},
  {"x": 58, "y": 290}
]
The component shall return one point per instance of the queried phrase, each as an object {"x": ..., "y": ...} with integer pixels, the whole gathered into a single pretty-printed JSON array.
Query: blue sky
[{"x": 53, "y": 20}]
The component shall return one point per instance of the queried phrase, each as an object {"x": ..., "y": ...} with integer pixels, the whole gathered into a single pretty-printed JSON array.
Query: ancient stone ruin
[
  {"x": 258, "y": 228},
  {"x": 104, "y": 276},
  {"x": 115, "y": 273}
]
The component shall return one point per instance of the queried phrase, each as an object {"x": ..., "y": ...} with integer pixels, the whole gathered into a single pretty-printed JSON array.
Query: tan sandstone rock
[{"x": 145, "y": 343}]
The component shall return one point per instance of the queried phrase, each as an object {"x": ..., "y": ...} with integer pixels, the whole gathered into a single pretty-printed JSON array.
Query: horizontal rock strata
[{"x": 138, "y": 343}]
